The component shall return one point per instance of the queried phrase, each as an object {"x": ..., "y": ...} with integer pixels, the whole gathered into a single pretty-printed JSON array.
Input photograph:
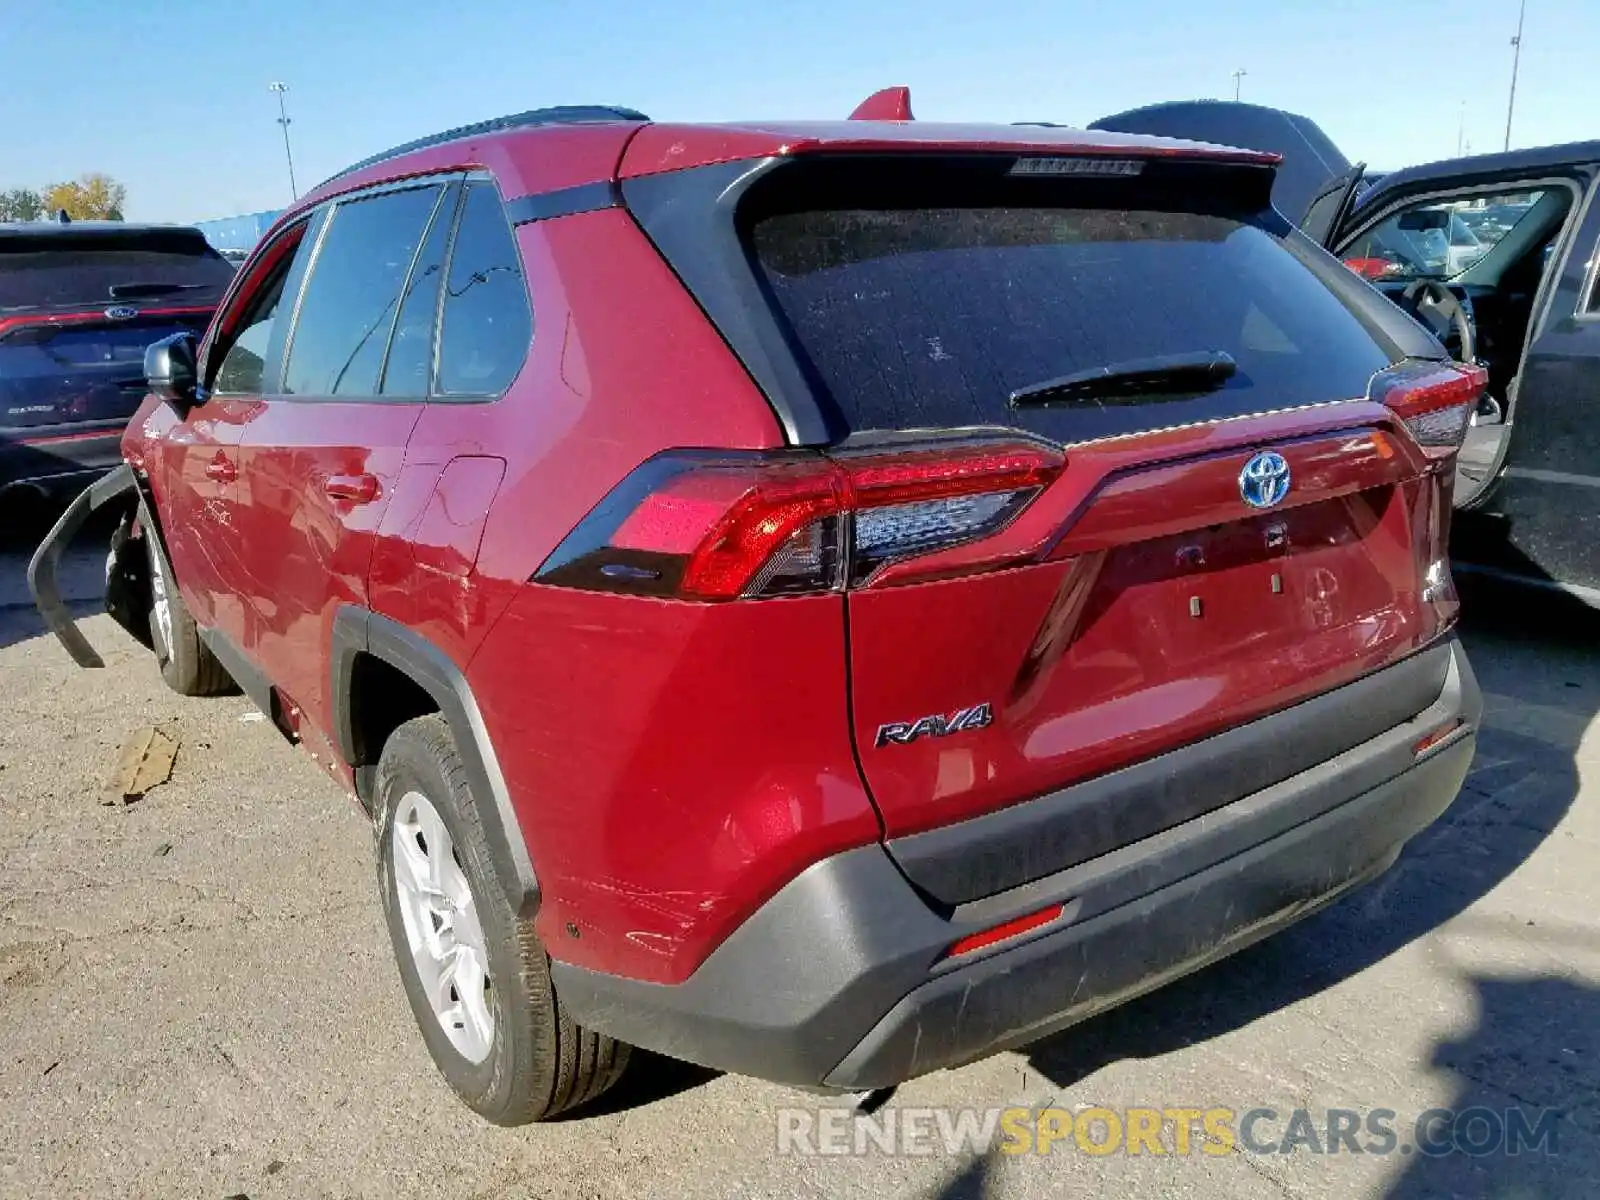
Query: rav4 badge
[{"x": 903, "y": 733}]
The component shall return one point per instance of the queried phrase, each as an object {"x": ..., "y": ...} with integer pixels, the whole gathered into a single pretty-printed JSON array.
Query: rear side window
[
  {"x": 930, "y": 317},
  {"x": 486, "y": 321},
  {"x": 97, "y": 269},
  {"x": 409, "y": 369},
  {"x": 349, "y": 303}
]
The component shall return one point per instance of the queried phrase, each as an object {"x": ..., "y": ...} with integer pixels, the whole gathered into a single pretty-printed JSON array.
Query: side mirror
[{"x": 169, "y": 370}]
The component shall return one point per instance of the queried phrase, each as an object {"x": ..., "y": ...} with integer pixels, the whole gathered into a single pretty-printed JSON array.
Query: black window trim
[{"x": 1588, "y": 301}]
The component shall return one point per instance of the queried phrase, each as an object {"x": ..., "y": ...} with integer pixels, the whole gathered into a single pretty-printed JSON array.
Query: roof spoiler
[{"x": 889, "y": 104}]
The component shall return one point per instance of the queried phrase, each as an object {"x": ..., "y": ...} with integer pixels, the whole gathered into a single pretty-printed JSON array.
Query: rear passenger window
[
  {"x": 410, "y": 367},
  {"x": 348, "y": 307},
  {"x": 487, "y": 324}
]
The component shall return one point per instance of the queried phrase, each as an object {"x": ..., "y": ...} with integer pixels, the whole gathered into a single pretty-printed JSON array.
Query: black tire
[
  {"x": 187, "y": 664},
  {"x": 539, "y": 1063}
]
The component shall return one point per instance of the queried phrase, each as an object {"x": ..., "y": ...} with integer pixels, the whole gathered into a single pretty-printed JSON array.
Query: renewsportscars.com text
[{"x": 1168, "y": 1130}]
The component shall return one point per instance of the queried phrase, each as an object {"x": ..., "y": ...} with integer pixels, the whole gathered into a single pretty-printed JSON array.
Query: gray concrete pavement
[{"x": 197, "y": 996}]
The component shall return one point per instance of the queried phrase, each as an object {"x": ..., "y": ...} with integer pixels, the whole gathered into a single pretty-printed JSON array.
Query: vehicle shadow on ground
[
  {"x": 1519, "y": 789},
  {"x": 648, "y": 1078},
  {"x": 1523, "y": 1116},
  {"x": 1527, "y": 1111},
  {"x": 973, "y": 1182}
]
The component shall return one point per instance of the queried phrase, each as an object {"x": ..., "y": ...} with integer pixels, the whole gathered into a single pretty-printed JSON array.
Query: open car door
[
  {"x": 1325, "y": 215},
  {"x": 1315, "y": 184}
]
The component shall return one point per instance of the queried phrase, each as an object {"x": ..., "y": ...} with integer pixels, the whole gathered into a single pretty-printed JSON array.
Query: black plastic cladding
[{"x": 564, "y": 202}]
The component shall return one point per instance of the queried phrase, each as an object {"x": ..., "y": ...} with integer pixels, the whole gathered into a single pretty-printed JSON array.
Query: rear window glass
[
  {"x": 914, "y": 318},
  {"x": 57, "y": 269}
]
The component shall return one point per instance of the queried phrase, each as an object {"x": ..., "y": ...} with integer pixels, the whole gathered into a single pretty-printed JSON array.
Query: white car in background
[{"x": 1466, "y": 247}]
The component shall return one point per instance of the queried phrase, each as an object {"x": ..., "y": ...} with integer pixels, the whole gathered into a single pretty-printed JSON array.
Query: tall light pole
[
  {"x": 1461, "y": 130},
  {"x": 283, "y": 120},
  {"x": 1516, "y": 61},
  {"x": 1238, "y": 79}
]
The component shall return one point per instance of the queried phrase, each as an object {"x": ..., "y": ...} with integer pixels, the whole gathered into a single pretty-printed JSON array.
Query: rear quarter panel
[{"x": 670, "y": 764}]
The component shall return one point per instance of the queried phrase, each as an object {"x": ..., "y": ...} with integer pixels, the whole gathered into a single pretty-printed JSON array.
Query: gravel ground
[{"x": 197, "y": 996}]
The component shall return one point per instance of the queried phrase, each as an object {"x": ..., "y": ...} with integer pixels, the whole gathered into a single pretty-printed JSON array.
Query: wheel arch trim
[{"x": 357, "y": 631}]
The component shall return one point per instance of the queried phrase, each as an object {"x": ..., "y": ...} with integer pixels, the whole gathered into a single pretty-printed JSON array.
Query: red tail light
[
  {"x": 1434, "y": 399},
  {"x": 709, "y": 527}
]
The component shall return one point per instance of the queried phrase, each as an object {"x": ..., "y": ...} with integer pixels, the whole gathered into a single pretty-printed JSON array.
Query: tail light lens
[
  {"x": 1435, "y": 400},
  {"x": 718, "y": 527}
]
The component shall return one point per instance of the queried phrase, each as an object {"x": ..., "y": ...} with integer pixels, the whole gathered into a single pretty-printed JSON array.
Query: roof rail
[
  {"x": 887, "y": 104},
  {"x": 561, "y": 114}
]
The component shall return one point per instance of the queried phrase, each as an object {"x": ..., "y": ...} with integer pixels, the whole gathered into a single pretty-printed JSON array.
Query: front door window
[{"x": 1438, "y": 239}]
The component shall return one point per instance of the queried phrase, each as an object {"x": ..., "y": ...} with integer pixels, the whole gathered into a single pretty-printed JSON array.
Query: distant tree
[
  {"x": 92, "y": 197},
  {"x": 20, "y": 204}
]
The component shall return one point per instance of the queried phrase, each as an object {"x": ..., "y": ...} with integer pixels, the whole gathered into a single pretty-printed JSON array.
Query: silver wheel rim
[
  {"x": 443, "y": 931},
  {"x": 159, "y": 604}
]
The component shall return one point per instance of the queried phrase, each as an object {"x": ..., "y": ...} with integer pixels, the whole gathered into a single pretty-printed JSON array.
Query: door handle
[
  {"x": 221, "y": 470},
  {"x": 359, "y": 489}
]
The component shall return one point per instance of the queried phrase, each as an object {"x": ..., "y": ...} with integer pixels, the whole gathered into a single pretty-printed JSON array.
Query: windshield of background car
[
  {"x": 1438, "y": 239},
  {"x": 931, "y": 316}
]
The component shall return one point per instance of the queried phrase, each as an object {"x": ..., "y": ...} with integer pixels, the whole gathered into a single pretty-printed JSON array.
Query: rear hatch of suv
[
  {"x": 78, "y": 306},
  {"x": 1118, "y": 461}
]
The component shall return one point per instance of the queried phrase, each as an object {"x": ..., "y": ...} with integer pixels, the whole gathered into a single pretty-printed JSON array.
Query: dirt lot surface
[{"x": 197, "y": 996}]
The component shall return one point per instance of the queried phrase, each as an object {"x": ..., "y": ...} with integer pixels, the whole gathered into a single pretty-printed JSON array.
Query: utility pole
[
  {"x": 283, "y": 120},
  {"x": 1238, "y": 78},
  {"x": 1461, "y": 130},
  {"x": 1516, "y": 61}
]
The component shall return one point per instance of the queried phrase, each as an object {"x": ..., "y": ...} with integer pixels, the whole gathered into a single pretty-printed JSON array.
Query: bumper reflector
[
  {"x": 1434, "y": 738},
  {"x": 974, "y": 942}
]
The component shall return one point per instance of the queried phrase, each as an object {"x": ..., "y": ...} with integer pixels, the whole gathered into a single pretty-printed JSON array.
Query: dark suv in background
[
  {"x": 823, "y": 600},
  {"x": 79, "y": 302}
]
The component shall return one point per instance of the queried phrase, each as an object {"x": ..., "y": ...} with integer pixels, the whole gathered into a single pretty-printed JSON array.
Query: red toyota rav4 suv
[{"x": 826, "y": 601}]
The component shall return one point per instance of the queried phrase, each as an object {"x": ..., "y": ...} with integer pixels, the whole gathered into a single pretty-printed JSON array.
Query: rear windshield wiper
[
  {"x": 1201, "y": 371},
  {"x": 133, "y": 291}
]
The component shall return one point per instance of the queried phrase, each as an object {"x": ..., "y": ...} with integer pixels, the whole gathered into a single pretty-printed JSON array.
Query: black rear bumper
[{"x": 841, "y": 980}]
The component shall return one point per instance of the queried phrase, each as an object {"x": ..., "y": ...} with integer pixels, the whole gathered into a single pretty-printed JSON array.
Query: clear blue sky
[{"x": 171, "y": 97}]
